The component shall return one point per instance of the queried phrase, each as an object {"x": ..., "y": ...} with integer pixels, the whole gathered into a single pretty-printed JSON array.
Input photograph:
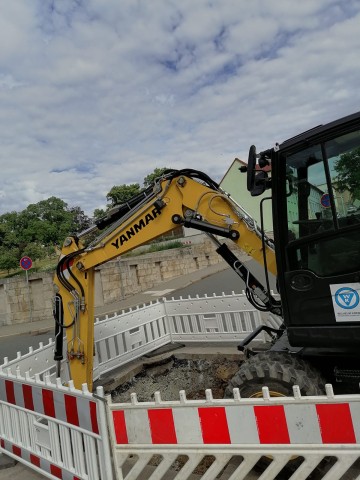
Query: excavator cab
[{"x": 315, "y": 190}]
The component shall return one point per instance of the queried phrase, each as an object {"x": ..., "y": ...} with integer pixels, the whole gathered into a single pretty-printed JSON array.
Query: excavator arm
[{"x": 186, "y": 197}]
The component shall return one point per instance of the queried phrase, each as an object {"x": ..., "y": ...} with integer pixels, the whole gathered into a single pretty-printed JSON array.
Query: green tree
[
  {"x": 122, "y": 193},
  {"x": 34, "y": 251},
  {"x": 99, "y": 213},
  {"x": 80, "y": 221},
  {"x": 46, "y": 222},
  {"x": 9, "y": 225},
  {"x": 150, "y": 179},
  {"x": 9, "y": 259},
  {"x": 348, "y": 170},
  {"x": 36, "y": 230}
]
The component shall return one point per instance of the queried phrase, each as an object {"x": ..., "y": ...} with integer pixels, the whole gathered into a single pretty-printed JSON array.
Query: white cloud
[{"x": 95, "y": 94}]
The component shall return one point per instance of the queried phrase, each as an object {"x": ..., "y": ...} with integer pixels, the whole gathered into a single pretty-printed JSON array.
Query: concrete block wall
[
  {"x": 22, "y": 301},
  {"x": 124, "y": 277}
]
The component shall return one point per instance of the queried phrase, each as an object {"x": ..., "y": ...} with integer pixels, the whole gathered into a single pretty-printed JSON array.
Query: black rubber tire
[{"x": 277, "y": 371}]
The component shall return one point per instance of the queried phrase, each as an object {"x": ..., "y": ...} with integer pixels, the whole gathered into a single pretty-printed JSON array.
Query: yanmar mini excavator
[{"x": 314, "y": 188}]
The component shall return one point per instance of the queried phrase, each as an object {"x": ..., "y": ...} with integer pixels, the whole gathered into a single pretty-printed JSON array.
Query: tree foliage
[
  {"x": 40, "y": 229},
  {"x": 348, "y": 173},
  {"x": 122, "y": 193},
  {"x": 8, "y": 258},
  {"x": 149, "y": 179},
  {"x": 99, "y": 213},
  {"x": 80, "y": 221},
  {"x": 37, "y": 230}
]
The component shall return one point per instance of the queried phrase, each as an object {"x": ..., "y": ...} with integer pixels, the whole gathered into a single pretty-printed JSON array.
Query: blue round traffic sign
[{"x": 26, "y": 263}]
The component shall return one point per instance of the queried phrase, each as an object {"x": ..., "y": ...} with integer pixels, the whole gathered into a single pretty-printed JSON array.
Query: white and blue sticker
[{"x": 346, "y": 302}]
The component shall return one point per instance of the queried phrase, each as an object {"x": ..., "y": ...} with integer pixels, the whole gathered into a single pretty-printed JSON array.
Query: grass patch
[{"x": 158, "y": 247}]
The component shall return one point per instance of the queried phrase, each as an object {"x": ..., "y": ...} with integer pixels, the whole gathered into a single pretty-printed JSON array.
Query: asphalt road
[
  {"x": 9, "y": 346},
  {"x": 226, "y": 281}
]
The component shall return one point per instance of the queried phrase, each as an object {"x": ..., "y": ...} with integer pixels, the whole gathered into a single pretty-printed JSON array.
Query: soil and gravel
[{"x": 173, "y": 374}]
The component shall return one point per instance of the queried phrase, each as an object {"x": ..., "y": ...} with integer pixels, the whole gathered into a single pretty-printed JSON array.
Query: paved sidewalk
[
  {"x": 158, "y": 291},
  {"x": 18, "y": 471}
]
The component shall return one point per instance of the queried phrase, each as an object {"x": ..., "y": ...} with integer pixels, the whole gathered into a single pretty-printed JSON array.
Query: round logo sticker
[{"x": 347, "y": 298}]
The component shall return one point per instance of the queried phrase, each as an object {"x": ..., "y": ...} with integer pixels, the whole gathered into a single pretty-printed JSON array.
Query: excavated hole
[{"x": 173, "y": 374}]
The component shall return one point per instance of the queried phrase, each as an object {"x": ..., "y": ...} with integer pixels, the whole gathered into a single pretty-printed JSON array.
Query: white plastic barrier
[
  {"x": 38, "y": 361},
  {"x": 124, "y": 337},
  {"x": 58, "y": 431},
  {"x": 37, "y": 418},
  {"x": 225, "y": 319},
  {"x": 226, "y": 439}
]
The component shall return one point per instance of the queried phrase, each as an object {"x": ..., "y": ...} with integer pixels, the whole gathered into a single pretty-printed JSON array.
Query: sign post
[{"x": 26, "y": 264}]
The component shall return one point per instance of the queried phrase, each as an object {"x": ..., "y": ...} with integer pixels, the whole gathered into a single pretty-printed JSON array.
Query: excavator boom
[{"x": 185, "y": 197}]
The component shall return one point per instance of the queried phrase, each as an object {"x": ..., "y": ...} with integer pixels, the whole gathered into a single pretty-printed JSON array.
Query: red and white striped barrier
[
  {"x": 285, "y": 421},
  {"x": 285, "y": 424},
  {"x": 240, "y": 430},
  {"x": 56, "y": 430},
  {"x": 50, "y": 402},
  {"x": 63, "y": 432},
  {"x": 38, "y": 463}
]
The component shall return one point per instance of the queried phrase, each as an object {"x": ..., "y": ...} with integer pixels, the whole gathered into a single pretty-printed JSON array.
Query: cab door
[{"x": 318, "y": 241}]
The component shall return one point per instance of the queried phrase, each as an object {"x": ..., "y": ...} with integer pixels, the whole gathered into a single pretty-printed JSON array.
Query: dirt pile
[{"x": 172, "y": 375}]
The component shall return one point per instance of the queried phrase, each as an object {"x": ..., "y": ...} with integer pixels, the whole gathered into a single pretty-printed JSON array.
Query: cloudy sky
[{"x": 96, "y": 93}]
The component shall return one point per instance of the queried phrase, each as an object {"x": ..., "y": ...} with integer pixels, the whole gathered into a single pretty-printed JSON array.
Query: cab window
[{"x": 323, "y": 206}]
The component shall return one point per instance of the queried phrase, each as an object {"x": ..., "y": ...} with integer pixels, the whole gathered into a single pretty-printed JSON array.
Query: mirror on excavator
[{"x": 257, "y": 181}]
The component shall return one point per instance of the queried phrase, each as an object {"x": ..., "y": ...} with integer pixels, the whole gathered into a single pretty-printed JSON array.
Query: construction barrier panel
[
  {"x": 225, "y": 320},
  {"x": 218, "y": 439},
  {"x": 124, "y": 337},
  {"x": 58, "y": 431},
  {"x": 38, "y": 361}
]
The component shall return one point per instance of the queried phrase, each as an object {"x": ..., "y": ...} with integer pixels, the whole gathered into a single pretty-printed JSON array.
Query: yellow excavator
[{"x": 315, "y": 255}]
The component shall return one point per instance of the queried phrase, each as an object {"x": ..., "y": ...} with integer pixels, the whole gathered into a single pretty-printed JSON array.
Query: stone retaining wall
[{"x": 22, "y": 302}]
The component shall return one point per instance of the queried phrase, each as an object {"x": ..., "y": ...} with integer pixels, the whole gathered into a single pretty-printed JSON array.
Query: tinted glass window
[
  {"x": 343, "y": 154},
  {"x": 324, "y": 201},
  {"x": 307, "y": 193}
]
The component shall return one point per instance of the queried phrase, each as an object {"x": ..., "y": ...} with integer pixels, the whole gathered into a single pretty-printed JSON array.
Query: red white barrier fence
[
  {"x": 226, "y": 424},
  {"x": 57, "y": 430},
  {"x": 311, "y": 427}
]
